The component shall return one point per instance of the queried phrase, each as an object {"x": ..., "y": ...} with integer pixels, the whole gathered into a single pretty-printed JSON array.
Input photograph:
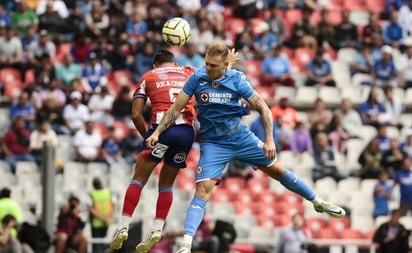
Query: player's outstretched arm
[
  {"x": 259, "y": 104},
  {"x": 170, "y": 116},
  {"x": 137, "y": 115}
]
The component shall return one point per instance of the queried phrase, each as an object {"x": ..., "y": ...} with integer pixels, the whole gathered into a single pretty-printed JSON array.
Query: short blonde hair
[{"x": 218, "y": 49}]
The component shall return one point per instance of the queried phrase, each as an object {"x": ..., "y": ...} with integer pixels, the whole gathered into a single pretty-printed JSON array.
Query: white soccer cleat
[
  {"x": 119, "y": 237},
  {"x": 184, "y": 248},
  {"x": 149, "y": 242},
  {"x": 333, "y": 210}
]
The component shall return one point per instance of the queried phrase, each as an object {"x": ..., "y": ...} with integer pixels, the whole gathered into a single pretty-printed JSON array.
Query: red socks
[{"x": 164, "y": 202}]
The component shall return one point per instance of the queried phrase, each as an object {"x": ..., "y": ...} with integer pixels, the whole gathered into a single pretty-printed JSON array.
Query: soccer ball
[{"x": 176, "y": 31}]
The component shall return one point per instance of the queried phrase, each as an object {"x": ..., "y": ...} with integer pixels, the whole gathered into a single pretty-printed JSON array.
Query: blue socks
[
  {"x": 194, "y": 215},
  {"x": 295, "y": 184}
]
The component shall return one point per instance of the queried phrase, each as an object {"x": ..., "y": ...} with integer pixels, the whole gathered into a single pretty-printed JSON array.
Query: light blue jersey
[{"x": 218, "y": 101}]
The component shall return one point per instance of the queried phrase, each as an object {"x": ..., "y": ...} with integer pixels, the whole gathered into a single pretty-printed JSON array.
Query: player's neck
[{"x": 167, "y": 65}]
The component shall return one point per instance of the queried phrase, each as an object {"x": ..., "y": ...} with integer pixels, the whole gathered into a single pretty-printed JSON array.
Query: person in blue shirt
[
  {"x": 371, "y": 110},
  {"x": 384, "y": 140},
  {"x": 393, "y": 33},
  {"x": 382, "y": 195},
  {"x": 319, "y": 71},
  {"x": 363, "y": 63},
  {"x": 23, "y": 108},
  {"x": 404, "y": 179},
  {"x": 276, "y": 69},
  {"x": 218, "y": 91},
  {"x": 384, "y": 71},
  {"x": 94, "y": 74},
  {"x": 191, "y": 57}
]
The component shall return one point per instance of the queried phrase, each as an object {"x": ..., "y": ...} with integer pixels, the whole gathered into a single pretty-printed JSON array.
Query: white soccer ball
[{"x": 176, "y": 31}]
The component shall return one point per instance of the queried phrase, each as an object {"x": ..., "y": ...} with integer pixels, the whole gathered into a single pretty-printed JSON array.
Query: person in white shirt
[
  {"x": 87, "y": 143},
  {"x": 75, "y": 113},
  {"x": 351, "y": 120},
  {"x": 393, "y": 108},
  {"x": 40, "y": 47},
  {"x": 42, "y": 134},
  {"x": 404, "y": 65},
  {"x": 11, "y": 50},
  {"x": 405, "y": 19},
  {"x": 58, "y": 6},
  {"x": 100, "y": 106}
]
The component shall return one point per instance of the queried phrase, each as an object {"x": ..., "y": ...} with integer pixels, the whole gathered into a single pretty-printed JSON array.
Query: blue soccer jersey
[{"x": 218, "y": 101}]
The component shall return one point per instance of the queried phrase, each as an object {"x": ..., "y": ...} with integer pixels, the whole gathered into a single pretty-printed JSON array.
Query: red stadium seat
[
  {"x": 315, "y": 224},
  {"x": 29, "y": 77},
  {"x": 293, "y": 15},
  {"x": 253, "y": 68},
  {"x": 242, "y": 248},
  {"x": 186, "y": 185},
  {"x": 303, "y": 56},
  {"x": 9, "y": 75},
  {"x": 339, "y": 224},
  {"x": 220, "y": 195},
  {"x": 256, "y": 187},
  {"x": 337, "y": 4},
  {"x": 122, "y": 77},
  {"x": 328, "y": 233},
  {"x": 233, "y": 185},
  {"x": 61, "y": 51},
  {"x": 291, "y": 198},
  {"x": 315, "y": 17},
  {"x": 335, "y": 17},
  {"x": 246, "y": 208},
  {"x": 194, "y": 155},
  {"x": 353, "y": 5},
  {"x": 13, "y": 89},
  {"x": 268, "y": 222},
  {"x": 288, "y": 52},
  {"x": 267, "y": 93},
  {"x": 268, "y": 209},
  {"x": 268, "y": 197},
  {"x": 375, "y": 6},
  {"x": 234, "y": 25},
  {"x": 331, "y": 54},
  {"x": 352, "y": 234},
  {"x": 244, "y": 196},
  {"x": 101, "y": 128}
]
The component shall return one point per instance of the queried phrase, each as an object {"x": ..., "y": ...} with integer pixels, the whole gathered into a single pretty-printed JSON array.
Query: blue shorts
[
  {"x": 173, "y": 146},
  {"x": 242, "y": 145}
]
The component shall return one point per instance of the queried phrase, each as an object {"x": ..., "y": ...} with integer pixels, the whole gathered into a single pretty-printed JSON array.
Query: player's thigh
[
  {"x": 179, "y": 139},
  {"x": 250, "y": 150},
  {"x": 213, "y": 160}
]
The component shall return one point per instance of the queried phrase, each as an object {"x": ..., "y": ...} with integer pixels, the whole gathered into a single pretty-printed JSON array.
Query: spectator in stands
[
  {"x": 404, "y": 179},
  {"x": 326, "y": 32},
  {"x": 9, "y": 206},
  {"x": 382, "y": 194},
  {"x": 393, "y": 33},
  {"x": 131, "y": 144},
  {"x": 5, "y": 17},
  {"x": 24, "y": 109},
  {"x": 372, "y": 29},
  {"x": 42, "y": 134},
  {"x": 94, "y": 74},
  {"x": 11, "y": 51},
  {"x": 122, "y": 105},
  {"x": 23, "y": 18},
  {"x": 111, "y": 151},
  {"x": 405, "y": 66},
  {"x": 319, "y": 71},
  {"x": 346, "y": 32},
  {"x": 393, "y": 158},
  {"x": 97, "y": 21},
  {"x": 371, "y": 110},
  {"x": 155, "y": 20},
  {"x": 122, "y": 55},
  {"x": 8, "y": 243},
  {"x": 143, "y": 60},
  {"x": 276, "y": 25},
  {"x": 363, "y": 63},
  {"x": 75, "y": 113},
  {"x": 81, "y": 48},
  {"x": 15, "y": 144},
  {"x": 100, "y": 106},
  {"x": 338, "y": 137},
  {"x": 52, "y": 111},
  {"x": 284, "y": 134},
  {"x": 45, "y": 71},
  {"x": 113, "y": 8},
  {"x": 136, "y": 27},
  {"x": 295, "y": 239},
  {"x": 103, "y": 53},
  {"x": 40, "y": 47},
  {"x": 238, "y": 169},
  {"x": 244, "y": 42},
  {"x": 326, "y": 159},
  {"x": 405, "y": 18},
  {"x": 303, "y": 32},
  {"x": 320, "y": 113},
  {"x": 393, "y": 108},
  {"x": 376, "y": 47},
  {"x": 264, "y": 39},
  {"x": 384, "y": 71},
  {"x": 69, "y": 232},
  {"x": 382, "y": 137},
  {"x": 191, "y": 57},
  {"x": 58, "y": 5},
  {"x": 101, "y": 206},
  {"x": 289, "y": 114},
  {"x": 50, "y": 20},
  {"x": 74, "y": 24},
  {"x": 245, "y": 9},
  {"x": 28, "y": 38},
  {"x": 392, "y": 236},
  {"x": 69, "y": 70},
  {"x": 351, "y": 120},
  {"x": 87, "y": 143},
  {"x": 406, "y": 146},
  {"x": 276, "y": 69},
  {"x": 371, "y": 160},
  {"x": 301, "y": 141},
  {"x": 132, "y": 6},
  {"x": 202, "y": 36}
]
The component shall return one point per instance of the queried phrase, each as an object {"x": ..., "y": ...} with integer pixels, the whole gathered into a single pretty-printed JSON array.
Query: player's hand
[
  {"x": 269, "y": 149},
  {"x": 152, "y": 140},
  {"x": 232, "y": 57}
]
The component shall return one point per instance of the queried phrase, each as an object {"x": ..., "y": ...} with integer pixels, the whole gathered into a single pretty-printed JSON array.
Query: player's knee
[{"x": 204, "y": 189}]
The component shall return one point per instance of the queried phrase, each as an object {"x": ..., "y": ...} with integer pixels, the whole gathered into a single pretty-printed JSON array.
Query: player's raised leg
[
  {"x": 142, "y": 171},
  {"x": 293, "y": 183}
]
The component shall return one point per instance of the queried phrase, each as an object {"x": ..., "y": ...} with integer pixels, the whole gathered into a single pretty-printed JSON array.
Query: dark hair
[
  {"x": 5, "y": 193},
  {"x": 6, "y": 219},
  {"x": 163, "y": 56}
]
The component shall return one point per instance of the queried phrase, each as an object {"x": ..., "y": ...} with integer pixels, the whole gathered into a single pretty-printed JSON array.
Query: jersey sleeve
[
  {"x": 140, "y": 91},
  {"x": 245, "y": 89},
  {"x": 190, "y": 85}
]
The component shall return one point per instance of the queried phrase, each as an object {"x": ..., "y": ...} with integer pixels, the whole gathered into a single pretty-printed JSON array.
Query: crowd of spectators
[{"x": 75, "y": 64}]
